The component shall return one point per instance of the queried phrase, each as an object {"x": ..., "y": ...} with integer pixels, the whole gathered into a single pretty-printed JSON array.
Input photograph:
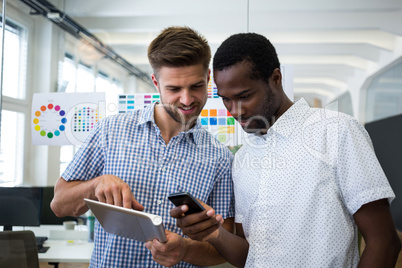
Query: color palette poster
[
  {"x": 131, "y": 102},
  {"x": 65, "y": 118},
  {"x": 219, "y": 122},
  {"x": 212, "y": 89}
]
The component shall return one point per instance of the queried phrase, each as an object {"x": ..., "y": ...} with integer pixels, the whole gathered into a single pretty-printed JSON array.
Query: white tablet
[{"x": 128, "y": 223}]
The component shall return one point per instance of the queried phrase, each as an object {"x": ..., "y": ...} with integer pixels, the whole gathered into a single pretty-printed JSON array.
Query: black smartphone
[{"x": 185, "y": 198}]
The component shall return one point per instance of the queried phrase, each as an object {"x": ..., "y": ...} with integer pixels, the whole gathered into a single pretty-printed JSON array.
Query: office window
[
  {"x": 85, "y": 79},
  {"x": 69, "y": 74},
  {"x": 117, "y": 86},
  {"x": 15, "y": 57},
  {"x": 14, "y": 104},
  {"x": 112, "y": 89},
  {"x": 12, "y": 147},
  {"x": 102, "y": 82},
  {"x": 384, "y": 95},
  {"x": 67, "y": 153},
  {"x": 80, "y": 79},
  {"x": 74, "y": 79}
]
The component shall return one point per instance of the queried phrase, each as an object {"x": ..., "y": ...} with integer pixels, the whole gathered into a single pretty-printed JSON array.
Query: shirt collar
[
  {"x": 149, "y": 116},
  {"x": 291, "y": 118}
]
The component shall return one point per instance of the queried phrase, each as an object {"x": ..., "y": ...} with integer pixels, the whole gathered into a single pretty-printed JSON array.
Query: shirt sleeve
[
  {"x": 361, "y": 178},
  {"x": 222, "y": 197},
  {"x": 88, "y": 162}
]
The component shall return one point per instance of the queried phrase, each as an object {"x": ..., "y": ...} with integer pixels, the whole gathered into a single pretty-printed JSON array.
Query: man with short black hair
[{"x": 305, "y": 182}]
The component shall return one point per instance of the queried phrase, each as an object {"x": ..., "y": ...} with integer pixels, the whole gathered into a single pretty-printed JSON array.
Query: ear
[
  {"x": 276, "y": 77},
  {"x": 155, "y": 82},
  {"x": 209, "y": 75}
]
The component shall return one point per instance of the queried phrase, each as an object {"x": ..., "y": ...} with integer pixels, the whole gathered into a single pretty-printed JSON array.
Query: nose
[
  {"x": 186, "y": 97},
  {"x": 235, "y": 109}
]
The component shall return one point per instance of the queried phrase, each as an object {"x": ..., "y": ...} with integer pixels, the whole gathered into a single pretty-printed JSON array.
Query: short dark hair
[
  {"x": 251, "y": 47},
  {"x": 179, "y": 47}
]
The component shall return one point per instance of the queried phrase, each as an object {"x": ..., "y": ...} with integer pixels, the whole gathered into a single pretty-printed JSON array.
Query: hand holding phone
[{"x": 185, "y": 198}]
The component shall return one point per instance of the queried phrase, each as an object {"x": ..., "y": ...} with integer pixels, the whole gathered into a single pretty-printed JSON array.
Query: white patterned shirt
[
  {"x": 130, "y": 146},
  {"x": 297, "y": 189}
]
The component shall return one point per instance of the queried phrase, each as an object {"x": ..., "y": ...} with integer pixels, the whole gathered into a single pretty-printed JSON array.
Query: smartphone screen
[{"x": 185, "y": 198}]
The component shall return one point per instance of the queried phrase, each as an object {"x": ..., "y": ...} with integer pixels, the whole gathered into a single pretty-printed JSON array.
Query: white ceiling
[{"x": 334, "y": 45}]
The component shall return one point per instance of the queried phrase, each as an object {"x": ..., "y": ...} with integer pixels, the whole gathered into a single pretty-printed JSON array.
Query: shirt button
[
  {"x": 164, "y": 168},
  {"x": 159, "y": 202}
]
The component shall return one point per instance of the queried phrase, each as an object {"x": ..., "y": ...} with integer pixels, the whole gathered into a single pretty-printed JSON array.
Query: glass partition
[{"x": 384, "y": 94}]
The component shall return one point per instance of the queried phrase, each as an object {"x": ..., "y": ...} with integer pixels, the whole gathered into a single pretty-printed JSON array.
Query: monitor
[
  {"x": 20, "y": 206},
  {"x": 47, "y": 214}
]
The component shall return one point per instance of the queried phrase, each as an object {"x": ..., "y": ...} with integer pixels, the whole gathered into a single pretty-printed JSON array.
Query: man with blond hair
[{"x": 137, "y": 159}]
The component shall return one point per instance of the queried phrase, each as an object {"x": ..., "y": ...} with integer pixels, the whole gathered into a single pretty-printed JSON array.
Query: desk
[{"x": 62, "y": 249}]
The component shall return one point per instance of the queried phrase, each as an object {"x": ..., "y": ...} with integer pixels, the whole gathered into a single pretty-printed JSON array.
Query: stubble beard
[
  {"x": 265, "y": 119},
  {"x": 187, "y": 121}
]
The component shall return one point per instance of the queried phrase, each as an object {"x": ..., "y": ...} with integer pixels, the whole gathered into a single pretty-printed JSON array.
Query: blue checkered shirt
[{"x": 130, "y": 146}]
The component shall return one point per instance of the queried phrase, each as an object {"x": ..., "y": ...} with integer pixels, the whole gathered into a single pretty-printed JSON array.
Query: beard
[
  {"x": 185, "y": 120},
  {"x": 265, "y": 116}
]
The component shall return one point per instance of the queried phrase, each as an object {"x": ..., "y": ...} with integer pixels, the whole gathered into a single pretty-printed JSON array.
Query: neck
[
  {"x": 286, "y": 104},
  {"x": 167, "y": 126}
]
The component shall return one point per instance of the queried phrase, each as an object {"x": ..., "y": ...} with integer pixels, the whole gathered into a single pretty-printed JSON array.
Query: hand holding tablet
[{"x": 128, "y": 223}]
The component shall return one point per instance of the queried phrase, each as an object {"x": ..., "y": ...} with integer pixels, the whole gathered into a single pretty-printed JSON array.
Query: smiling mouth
[{"x": 187, "y": 110}]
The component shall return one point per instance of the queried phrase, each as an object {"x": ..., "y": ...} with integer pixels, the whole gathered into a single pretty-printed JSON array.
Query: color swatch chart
[
  {"x": 212, "y": 89},
  {"x": 65, "y": 118},
  {"x": 219, "y": 122},
  {"x": 85, "y": 118},
  {"x": 49, "y": 120},
  {"x": 131, "y": 102}
]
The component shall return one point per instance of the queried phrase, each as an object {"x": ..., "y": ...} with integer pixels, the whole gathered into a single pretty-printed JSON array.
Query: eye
[
  {"x": 198, "y": 86},
  {"x": 244, "y": 97},
  {"x": 173, "y": 89}
]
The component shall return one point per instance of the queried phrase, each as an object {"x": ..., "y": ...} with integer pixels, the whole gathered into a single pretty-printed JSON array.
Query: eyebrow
[
  {"x": 238, "y": 94},
  {"x": 242, "y": 92},
  {"x": 195, "y": 84}
]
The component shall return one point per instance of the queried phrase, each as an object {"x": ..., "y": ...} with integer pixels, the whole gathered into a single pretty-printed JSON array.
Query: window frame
[{"x": 21, "y": 104}]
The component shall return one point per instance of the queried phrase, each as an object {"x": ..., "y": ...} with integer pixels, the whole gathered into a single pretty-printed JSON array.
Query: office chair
[{"x": 18, "y": 249}]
